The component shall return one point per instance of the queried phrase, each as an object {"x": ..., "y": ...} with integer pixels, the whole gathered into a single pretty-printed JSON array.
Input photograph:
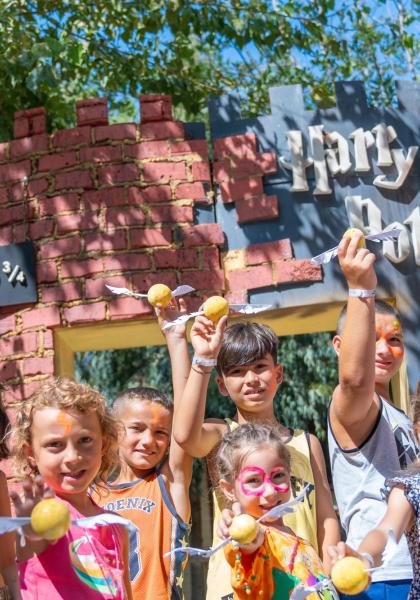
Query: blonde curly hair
[{"x": 66, "y": 394}]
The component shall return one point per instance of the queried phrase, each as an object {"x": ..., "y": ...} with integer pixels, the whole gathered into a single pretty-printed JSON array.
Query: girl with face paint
[{"x": 254, "y": 474}]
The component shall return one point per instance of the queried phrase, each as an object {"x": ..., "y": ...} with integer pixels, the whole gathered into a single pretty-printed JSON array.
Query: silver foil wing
[
  {"x": 182, "y": 319},
  {"x": 250, "y": 309},
  {"x": 182, "y": 289},
  {"x": 121, "y": 291}
]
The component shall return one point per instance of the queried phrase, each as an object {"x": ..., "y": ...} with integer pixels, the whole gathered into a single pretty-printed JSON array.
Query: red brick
[
  {"x": 211, "y": 258},
  {"x": 246, "y": 167},
  {"x": 80, "y": 268},
  {"x": 57, "y": 161},
  {"x": 3, "y": 196},
  {"x": 237, "y": 297},
  {"x": 105, "y": 241},
  {"x": 15, "y": 171},
  {"x": 47, "y": 339},
  {"x": 291, "y": 271},
  {"x": 100, "y": 154},
  {"x": 81, "y": 222},
  {"x": 7, "y": 324},
  {"x": 11, "y": 214},
  {"x": 35, "y": 365},
  {"x": 118, "y": 174},
  {"x": 29, "y": 145},
  {"x": 147, "y": 150},
  {"x": 268, "y": 251},
  {"x": 154, "y": 97},
  {"x": 190, "y": 147},
  {"x": 85, "y": 313},
  {"x": 56, "y": 204},
  {"x": 30, "y": 121},
  {"x": 205, "y": 280},
  {"x": 164, "y": 171},
  {"x": 72, "y": 137},
  {"x": 162, "y": 131},
  {"x": 8, "y": 370},
  {"x": 129, "y": 261},
  {"x": 73, "y": 179},
  {"x": 108, "y": 197},
  {"x": 176, "y": 259},
  {"x": 201, "y": 171},
  {"x": 62, "y": 293},
  {"x": 96, "y": 288},
  {"x": 191, "y": 191},
  {"x": 41, "y": 229},
  {"x": 158, "y": 193},
  {"x": 171, "y": 214},
  {"x": 202, "y": 235},
  {"x": 251, "y": 278},
  {"x": 92, "y": 111},
  {"x": 23, "y": 343},
  {"x": 37, "y": 186},
  {"x": 32, "y": 209},
  {"x": 237, "y": 190},
  {"x": 119, "y": 131},
  {"x": 143, "y": 281},
  {"x": 4, "y": 151},
  {"x": 19, "y": 233},
  {"x": 46, "y": 272},
  {"x": 48, "y": 316},
  {"x": 244, "y": 145},
  {"x": 156, "y": 110},
  {"x": 221, "y": 171},
  {"x": 261, "y": 208},
  {"x": 125, "y": 308},
  {"x": 69, "y": 245},
  {"x": 145, "y": 238},
  {"x": 6, "y": 236},
  {"x": 21, "y": 128},
  {"x": 124, "y": 217}
]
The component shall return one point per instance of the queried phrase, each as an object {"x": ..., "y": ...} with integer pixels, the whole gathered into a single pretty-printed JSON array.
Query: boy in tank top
[
  {"x": 246, "y": 359},
  {"x": 369, "y": 438}
]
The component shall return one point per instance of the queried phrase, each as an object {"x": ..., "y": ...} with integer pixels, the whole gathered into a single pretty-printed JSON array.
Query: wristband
[
  {"x": 204, "y": 362},
  {"x": 369, "y": 558},
  {"x": 357, "y": 293}
]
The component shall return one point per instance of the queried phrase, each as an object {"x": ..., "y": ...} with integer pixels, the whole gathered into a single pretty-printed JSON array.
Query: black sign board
[{"x": 17, "y": 274}]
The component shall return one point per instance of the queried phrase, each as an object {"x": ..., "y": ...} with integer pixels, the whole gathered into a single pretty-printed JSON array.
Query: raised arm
[
  {"x": 352, "y": 408},
  {"x": 8, "y": 568},
  {"x": 189, "y": 430}
]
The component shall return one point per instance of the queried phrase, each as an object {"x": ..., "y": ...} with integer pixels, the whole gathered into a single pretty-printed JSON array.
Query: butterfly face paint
[
  {"x": 253, "y": 481},
  {"x": 392, "y": 336},
  {"x": 64, "y": 419}
]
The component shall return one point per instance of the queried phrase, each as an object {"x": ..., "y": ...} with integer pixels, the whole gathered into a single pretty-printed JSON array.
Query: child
[
  {"x": 9, "y": 579},
  {"x": 246, "y": 357},
  {"x": 402, "y": 516},
  {"x": 254, "y": 470},
  {"x": 369, "y": 439},
  {"x": 65, "y": 441},
  {"x": 152, "y": 486}
]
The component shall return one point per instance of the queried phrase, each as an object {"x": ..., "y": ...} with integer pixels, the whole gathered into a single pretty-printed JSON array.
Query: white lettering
[
  {"x": 298, "y": 164},
  {"x": 403, "y": 167},
  {"x": 413, "y": 221}
]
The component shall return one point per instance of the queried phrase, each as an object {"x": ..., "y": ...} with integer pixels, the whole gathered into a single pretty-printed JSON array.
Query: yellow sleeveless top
[{"x": 302, "y": 522}]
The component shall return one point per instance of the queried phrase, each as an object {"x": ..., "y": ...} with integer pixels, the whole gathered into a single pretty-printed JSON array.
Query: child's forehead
[
  {"x": 144, "y": 410},
  {"x": 266, "y": 358},
  {"x": 264, "y": 456},
  {"x": 387, "y": 322},
  {"x": 50, "y": 416}
]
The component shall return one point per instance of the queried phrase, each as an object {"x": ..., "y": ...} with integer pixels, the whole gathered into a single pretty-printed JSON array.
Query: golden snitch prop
[
  {"x": 50, "y": 520},
  {"x": 157, "y": 294},
  {"x": 244, "y": 527},
  {"x": 216, "y": 307},
  {"x": 328, "y": 255}
]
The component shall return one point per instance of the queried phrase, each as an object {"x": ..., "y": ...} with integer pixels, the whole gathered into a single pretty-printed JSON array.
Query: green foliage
[{"x": 57, "y": 51}]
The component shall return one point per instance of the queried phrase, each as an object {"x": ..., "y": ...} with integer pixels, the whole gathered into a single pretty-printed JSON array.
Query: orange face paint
[
  {"x": 154, "y": 411},
  {"x": 386, "y": 334},
  {"x": 64, "y": 420}
]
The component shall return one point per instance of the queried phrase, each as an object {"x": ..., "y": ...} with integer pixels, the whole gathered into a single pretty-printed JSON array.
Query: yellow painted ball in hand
[
  {"x": 244, "y": 529},
  {"x": 50, "y": 519},
  {"x": 215, "y": 307},
  {"x": 159, "y": 294},
  {"x": 350, "y": 576},
  {"x": 350, "y": 233}
]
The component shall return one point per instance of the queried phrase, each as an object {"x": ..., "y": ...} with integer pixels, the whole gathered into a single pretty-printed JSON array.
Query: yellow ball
[
  {"x": 350, "y": 576},
  {"x": 50, "y": 519},
  {"x": 244, "y": 529},
  {"x": 159, "y": 294},
  {"x": 215, "y": 307},
  {"x": 350, "y": 233}
]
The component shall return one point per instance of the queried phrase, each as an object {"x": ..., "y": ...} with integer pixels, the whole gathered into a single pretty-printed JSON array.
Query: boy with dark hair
[
  {"x": 246, "y": 359},
  {"x": 369, "y": 438}
]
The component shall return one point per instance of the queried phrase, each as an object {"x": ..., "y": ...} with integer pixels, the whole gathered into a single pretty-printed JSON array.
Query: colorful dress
[
  {"x": 281, "y": 563},
  {"x": 85, "y": 563},
  {"x": 159, "y": 529},
  {"x": 411, "y": 486}
]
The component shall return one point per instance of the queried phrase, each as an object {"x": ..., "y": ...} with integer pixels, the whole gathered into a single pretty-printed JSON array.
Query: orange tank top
[{"x": 159, "y": 529}]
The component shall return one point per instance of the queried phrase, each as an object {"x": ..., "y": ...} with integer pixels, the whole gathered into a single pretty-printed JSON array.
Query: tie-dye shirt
[
  {"x": 281, "y": 564},
  {"x": 85, "y": 563}
]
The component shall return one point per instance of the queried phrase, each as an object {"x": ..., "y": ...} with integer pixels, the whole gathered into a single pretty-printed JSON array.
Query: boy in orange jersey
[
  {"x": 151, "y": 488},
  {"x": 246, "y": 359}
]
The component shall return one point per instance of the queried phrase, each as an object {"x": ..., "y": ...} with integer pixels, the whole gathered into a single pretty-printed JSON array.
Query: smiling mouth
[
  {"x": 74, "y": 474},
  {"x": 254, "y": 392}
]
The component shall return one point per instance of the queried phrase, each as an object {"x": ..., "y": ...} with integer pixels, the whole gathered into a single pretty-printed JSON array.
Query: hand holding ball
[
  {"x": 350, "y": 576},
  {"x": 50, "y": 519},
  {"x": 350, "y": 233},
  {"x": 244, "y": 529},
  {"x": 159, "y": 294},
  {"x": 215, "y": 307}
]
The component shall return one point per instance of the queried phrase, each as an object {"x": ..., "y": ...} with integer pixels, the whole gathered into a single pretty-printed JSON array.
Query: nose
[
  {"x": 269, "y": 489},
  {"x": 71, "y": 454},
  {"x": 147, "y": 438},
  {"x": 251, "y": 376},
  {"x": 382, "y": 346}
]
